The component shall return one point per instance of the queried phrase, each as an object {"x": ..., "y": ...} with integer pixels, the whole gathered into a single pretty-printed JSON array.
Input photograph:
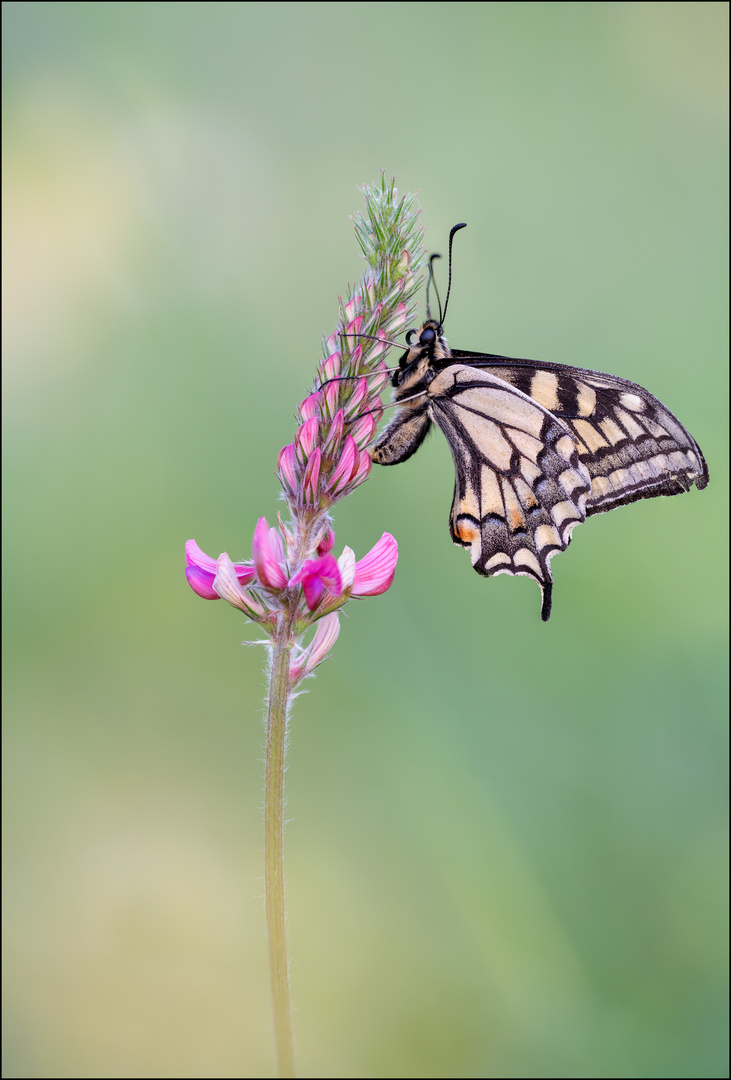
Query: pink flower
[
  {"x": 312, "y": 477},
  {"x": 361, "y": 473},
  {"x": 268, "y": 555},
  {"x": 331, "y": 366},
  {"x": 353, "y": 328},
  {"x": 357, "y": 397},
  {"x": 306, "y": 438},
  {"x": 346, "y": 466},
  {"x": 200, "y": 570},
  {"x": 372, "y": 574},
  {"x": 363, "y": 430},
  {"x": 287, "y": 467},
  {"x": 335, "y": 434},
  {"x": 317, "y": 575},
  {"x": 228, "y": 587},
  {"x": 305, "y": 660},
  {"x": 310, "y": 406}
]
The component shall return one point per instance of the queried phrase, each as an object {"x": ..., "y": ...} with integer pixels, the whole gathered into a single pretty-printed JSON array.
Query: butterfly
[{"x": 537, "y": 448}]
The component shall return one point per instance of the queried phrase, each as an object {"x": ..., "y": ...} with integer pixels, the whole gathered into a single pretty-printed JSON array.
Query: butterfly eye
[
  {"x": 410, "y": 336},
  {"x": 426, "y": 337}
]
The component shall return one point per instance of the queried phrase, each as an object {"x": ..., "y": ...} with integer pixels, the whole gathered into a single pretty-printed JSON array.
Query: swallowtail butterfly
[{"x": 537, "y": 448}]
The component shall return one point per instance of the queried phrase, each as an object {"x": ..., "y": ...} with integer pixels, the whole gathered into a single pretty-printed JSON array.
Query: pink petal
[
  {"x": 331, "y": 366},
  {"x": 378, "y": 381},
  {"x": 306, "y": 438},
  {"x": 267, "y": 551},
  {"x": 326, "y": 634},
  {"x": 357, "y": 397},
  {"x": 342, "y": 472},
  {"x": 287, "y": 467},
  {"x": 203, "y": 569},
  {"x": 328, "y": 571},
  {"x": 315, "y": 576},
  {"x": 194, "y": 556},
  {"x": 325, "y": 637},
  {"x": 398, "y": 319},
  {"x": 312, "y": 477},
  {"x": 335, "y": 433},
  {"x": 363, "y": 430},
  {"x": 201, "y": 582},
  {"x": 228, "y": 588},
  {"x": 377, "y": 347},
  {"x": 374, "y": 572},
  {"x": 313, "y": 589},
  {"x": 327, "y": 543},
  {"x": 346, "y": 566},
  {"x": 331, "y": 394},
  {"x": 310, "y": 407},
  {"x": 361, "y": 473},
  {"x": 353, "y": 328}
]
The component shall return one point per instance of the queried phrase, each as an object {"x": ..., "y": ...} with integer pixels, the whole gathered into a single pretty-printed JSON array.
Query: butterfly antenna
[
  {"x": 431, "y": 281},
  {"x": 452, "y": 231}
]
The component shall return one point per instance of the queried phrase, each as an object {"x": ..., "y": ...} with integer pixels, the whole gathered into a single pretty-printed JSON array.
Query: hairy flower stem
[{"x": 277, "y": 707}]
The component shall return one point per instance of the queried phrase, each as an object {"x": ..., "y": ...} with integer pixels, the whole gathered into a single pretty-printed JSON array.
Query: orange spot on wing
[{"x": 467, "y": 532}]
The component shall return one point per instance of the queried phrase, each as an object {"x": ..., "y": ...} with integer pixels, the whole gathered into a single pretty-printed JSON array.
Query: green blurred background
[{"x": 506, "y": 850}]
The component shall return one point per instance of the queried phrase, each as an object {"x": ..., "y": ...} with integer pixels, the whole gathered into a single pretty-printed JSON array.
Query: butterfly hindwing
[{"x": 520, "y": 487}]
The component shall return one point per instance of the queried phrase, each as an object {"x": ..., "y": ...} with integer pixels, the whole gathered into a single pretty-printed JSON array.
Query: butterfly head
[{"x": 427, "y": 349}]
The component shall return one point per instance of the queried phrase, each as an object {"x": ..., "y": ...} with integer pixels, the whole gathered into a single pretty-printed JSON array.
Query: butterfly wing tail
[{"x": 515, "y": 522}]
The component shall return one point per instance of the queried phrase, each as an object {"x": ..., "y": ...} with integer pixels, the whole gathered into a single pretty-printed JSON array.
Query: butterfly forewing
[{"x": 633, "y": 447}]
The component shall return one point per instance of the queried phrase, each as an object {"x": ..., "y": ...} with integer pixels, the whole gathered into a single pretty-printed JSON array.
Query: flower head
[
  {"x": 201, "y": 569},
  {"x": 293, "y": 579}
]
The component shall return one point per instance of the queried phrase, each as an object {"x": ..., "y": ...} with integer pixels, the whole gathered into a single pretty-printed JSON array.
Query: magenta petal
[
  {"x": 195, "y": 557},
  {"x": 267, "y": 551},
  {"x": 331, "y": 366},
  {"x": 325, "y": 637},
  {"x": 344, "y": 469},
  {"x": 364, "y": 468},
  {"x": 244, "y": 573},
  {"x": 331, "y": 395},
  {"x": 199, "y": 559},
  {"x": 306, "y": 437},
  {"x": 304, "y": 660},
  {"x": 374, "y": 572},
  {"x": 312, "y": 476},
  {"x": 327, "y": 569},
  {"x": 310, "y": 407},
  {"x": 363, "y": 430},
  {"x": 201, "y": 582},
  {"x": 313, "y": 589},
  {"x": 315, "y": 576}
]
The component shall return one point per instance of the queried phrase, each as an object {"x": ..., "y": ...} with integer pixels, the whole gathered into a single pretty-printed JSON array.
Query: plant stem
[{"x": 273, "y": 855}]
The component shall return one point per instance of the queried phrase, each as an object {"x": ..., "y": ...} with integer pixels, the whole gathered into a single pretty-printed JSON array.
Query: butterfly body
[{"x": 537, "y": 448}]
